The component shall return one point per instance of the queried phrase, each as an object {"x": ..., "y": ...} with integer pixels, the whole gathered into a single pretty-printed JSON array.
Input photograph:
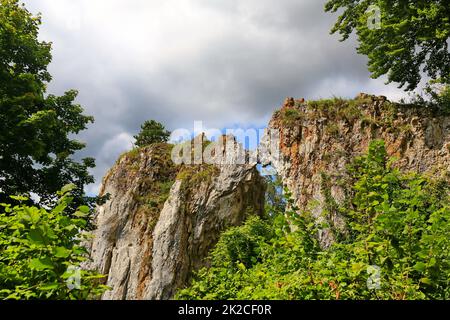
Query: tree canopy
[
  {"x": 411, "y": 40},
  {"x": 151, "y": 132},
  {"x": 36, "y": 147}
]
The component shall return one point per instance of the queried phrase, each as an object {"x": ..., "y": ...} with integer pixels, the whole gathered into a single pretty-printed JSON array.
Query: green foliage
[
  {"x": 151, "y": 132},
  {"x": 437, "y": 97},
  {"x": 397, "y": 222},
  {"x": 35, "y": 145},
  {"x": 339, "y": 108},
  {"x": 352, "y": 110},
  {"x": 241, "y": 245},
  {"x": 41, "y": 251},
  {"x": 275, "y": 201},
  {"x": 441, "y": 97},
  {"x": 412, "y": 38},
  {"x": 336, "y": 108},
  {"x": 239, "y": 249}
]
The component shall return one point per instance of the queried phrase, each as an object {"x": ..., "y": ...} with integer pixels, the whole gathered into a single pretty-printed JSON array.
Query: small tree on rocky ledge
[{"x": 151, "y": 132}]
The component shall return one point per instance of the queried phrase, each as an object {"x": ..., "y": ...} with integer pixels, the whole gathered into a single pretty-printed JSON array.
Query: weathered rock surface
[
  {"x": 162, "y": 220},
  {"x": 315, "y": 139}
]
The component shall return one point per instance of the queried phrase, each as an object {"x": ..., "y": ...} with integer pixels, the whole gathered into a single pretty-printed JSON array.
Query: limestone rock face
[
  {"x": 162, "y": 220},
  {"x": 313, "y": 139}
]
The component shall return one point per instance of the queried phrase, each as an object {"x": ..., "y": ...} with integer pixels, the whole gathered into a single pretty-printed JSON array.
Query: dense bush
[
  {"x": 396, "y": 245},
  {"x": 41, "y": 252}
]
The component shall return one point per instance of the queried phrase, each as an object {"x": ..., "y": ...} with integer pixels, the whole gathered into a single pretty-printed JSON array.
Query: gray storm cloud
[{"x": 224, "y": 62}]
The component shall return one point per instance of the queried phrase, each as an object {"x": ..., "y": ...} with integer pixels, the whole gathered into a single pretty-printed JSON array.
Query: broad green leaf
[
  {"x": 59, "y": 208},
  {"x": 80, "y": 214},
  {"x": 68, "y": 188},
  {"x": 61, "y": 252},
  {"x": 84, "y": 209},
  {"x": 41, "y": 264},
  {"x": 358, "y": 267},
  {"x": 432, "y": 262},
  {"x": 420, "y": 266},
  {"x": 49, "y": 286},
  {"x": 19, "y": 198},
  {"x": 34, "y": 214},
  {"x": 36, "y": 236}
]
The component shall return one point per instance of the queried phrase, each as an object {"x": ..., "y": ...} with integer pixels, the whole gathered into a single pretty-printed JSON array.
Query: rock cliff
[
  {"x": 162, "y": 219},
  {"x": 317, "y": 139}
]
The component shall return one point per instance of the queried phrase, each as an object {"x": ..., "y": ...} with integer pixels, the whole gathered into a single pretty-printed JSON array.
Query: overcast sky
[{"x": 225, "y": 62}]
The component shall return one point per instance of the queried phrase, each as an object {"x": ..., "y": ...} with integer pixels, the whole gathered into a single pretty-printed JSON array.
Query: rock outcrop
[
  {"x": 162, "y": 219},
  {"x": 320, "y": 138}
]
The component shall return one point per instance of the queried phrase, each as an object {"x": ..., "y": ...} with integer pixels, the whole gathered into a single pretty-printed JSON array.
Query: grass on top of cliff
[
  {"x": 160, "y": 150},
  {"x": 153, "y": 192},
  {"x": 335, "y": 108},
  {"x": 338, "y": 108},
  {"x": 373, "y": 111}
]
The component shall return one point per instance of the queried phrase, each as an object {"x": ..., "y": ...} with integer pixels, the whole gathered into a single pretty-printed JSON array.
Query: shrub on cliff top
[{"x": 151, "y": 132}]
